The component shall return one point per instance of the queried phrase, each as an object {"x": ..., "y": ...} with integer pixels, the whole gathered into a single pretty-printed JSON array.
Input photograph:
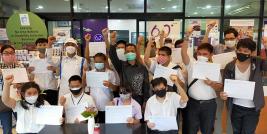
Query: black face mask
[
  {"x": 242, "y": 57},
  {"x": 75, "y": 92},
  {"x": 161, "y": 93}
]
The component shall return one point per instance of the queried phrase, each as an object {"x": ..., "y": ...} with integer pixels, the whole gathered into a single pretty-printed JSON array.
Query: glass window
[
  {"x": 201, "y": 8},
  {"x": 57, "y": 6},
  {"x": 127, "y": 6},
  {"x": 164, "y": 6},
  {"x": 90, "y": 6},
  {"x": 265, "y": 8},
  {"x": 8, "y": 7},
  {"x": 244, "y": 8}
]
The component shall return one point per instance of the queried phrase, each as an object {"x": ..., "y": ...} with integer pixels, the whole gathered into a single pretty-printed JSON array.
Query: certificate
[
  {"x": 204, "y": 70},
  {"x": 96, "y": 79},
  {"x": 118, "y": 114},
  {"x": 239, "y": 89},
  {"x": 20, "y": 74},
  {"x": 49, "y": 115},
  {"x": 164, "y": 72}
]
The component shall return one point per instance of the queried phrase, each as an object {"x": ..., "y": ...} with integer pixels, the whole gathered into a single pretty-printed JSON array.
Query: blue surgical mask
[
  {"x": 99, "y": 66},
  {"x": 130, "y": 56}
]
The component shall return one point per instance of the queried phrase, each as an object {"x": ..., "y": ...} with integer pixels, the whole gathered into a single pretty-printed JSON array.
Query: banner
[
  {"x": 61, "y": 33},
  {"x": 25, "y": 28}
]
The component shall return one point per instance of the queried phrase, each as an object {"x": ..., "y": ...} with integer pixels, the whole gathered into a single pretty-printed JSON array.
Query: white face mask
[
  {"x": 230, "y": 43},
  {"x": 120, "y": 54},
  {"x": 125, "y": 96},
  {"x": 202, "y": 59},
  {"x": 31, "y": 99},
  {"x": 70, "y": 49}
]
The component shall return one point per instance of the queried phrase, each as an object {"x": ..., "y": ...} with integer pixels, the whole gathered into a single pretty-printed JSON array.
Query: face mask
[
  {"x": 202, "y": 59},
  {"x": 120, "y": 54},
  {"x": 99, "y": 66},
  {"x": 42, "y": 50},
  {"x": 9, "y": 58},
  {"x": 230, "y": 43},
  {"x": 242, "y": 57},
  {"x": 125, "y": 96},
  {"x": 162, "y": 60},
  {"x": 31, "y": 99},
  {"x": 161, "y": 93},
  {"x": 130, "y": 56},
  {"x": 70, "y": 49},
  {"x": 168, "y": 45},
  {"x": 75, "y": 91}
]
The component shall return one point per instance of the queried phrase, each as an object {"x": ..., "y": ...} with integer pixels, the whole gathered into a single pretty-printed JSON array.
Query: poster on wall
[
  {"x": 94, "y": 27},
  {"x": 3, "y": 35},
  {"x": 214, "y": 35},
  {"x": 23, "y": 28},
  {"x": 61, "y": 34},
  {"x": 244, "y": 27},
  {"x": 196, "y": 25},
  {"x": 122, "y": 34},
  {"x": 172, "y": 29}
]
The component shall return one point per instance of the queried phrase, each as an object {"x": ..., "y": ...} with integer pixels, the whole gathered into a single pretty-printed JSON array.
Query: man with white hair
[{"x": 70, "y": 65}]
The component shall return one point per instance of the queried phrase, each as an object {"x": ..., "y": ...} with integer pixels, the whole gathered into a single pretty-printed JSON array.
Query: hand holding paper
[
  {"x": 163, "y": 123},
  {"x": 239, "y": 89},
  {"x": 96, "y": 79},
  {"x": 164, "y": 72},
  {"x": 204, "y": 70},
  {"x": 49, "y": 115},
  {"x": 20, "y": 74},
  {"x": 118, "y": 114}
]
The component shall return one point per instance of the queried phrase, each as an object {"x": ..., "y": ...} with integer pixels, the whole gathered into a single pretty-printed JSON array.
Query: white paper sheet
[
  {"x": 49, "y": 115},
  {"x": 20, "y": 74},
  {"x": 74, "y": 112},
  {"x": 239, "y": 89},
  {"x": 164, "y": 72},
  {"x": 177, "y": 57},
  {"x": 41, "y": 68},
  {"x": 163, "y": 123},
  {"x": 203, "y": 70},
  {"x": 118, "y": 114},
  {"x": 224, "y": 58},
  {"x": 97, "y": 47},
  {"x": 96, "y": 79}
]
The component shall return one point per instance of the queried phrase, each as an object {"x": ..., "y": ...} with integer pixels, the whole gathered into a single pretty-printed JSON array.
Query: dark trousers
[
  {"x": 51, "y": 96},
  {"x": 162, "y": 132},
  {"x": 244, "y": 120},
  {"x": 6, "y": 122},
  {"x": 100, "y": 117},
  {"x": 199, "y": 114}
]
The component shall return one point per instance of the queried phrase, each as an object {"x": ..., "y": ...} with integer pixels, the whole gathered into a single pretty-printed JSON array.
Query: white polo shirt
[
  {"x": 154, "y": 64},
  {"x": 103, "y": 96},
  {"x": 26, "y": 119},
  {"x": 199, "y": 90},
  {"x": 167, "y": 108},
  {"x": 69, "y": 67},
  {"x": 42, "y": 76}
]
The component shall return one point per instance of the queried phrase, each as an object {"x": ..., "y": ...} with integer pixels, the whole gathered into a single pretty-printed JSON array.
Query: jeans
[
  {"x": 199, "y": 114},
  {"x": 244, "y": 120},
  {"x": 6, "y": 121}
]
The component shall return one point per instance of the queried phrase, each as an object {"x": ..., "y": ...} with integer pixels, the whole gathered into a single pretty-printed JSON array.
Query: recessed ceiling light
[
  {"x": 195, "y": 12},
  {"x": 120, "y": 9},
  {"x": 208, "y": 6},
  {"x": 162, "y": 8},
  {"x": 169, "y": 0},
  {"x": 211, "y": 12},
  {"x": 66, "y": 0},
  {"x": 40, "y": 7},
  {"x": 106, "y": 7},
  {"x": 174, "y": 6},
  {"x": 228, "y": 6}
]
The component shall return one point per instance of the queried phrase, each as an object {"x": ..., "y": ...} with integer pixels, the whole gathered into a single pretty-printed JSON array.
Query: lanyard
[{"x": 78, "y": 101}]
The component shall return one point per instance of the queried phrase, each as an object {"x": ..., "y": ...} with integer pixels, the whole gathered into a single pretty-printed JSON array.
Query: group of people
[{"x": 197, "y": 103}]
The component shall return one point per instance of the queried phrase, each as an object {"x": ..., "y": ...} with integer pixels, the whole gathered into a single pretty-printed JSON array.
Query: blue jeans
[{"x": 6, "y": 121}]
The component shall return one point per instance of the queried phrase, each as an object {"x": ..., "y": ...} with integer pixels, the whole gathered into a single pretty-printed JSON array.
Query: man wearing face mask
[
  {"x": 77, "y": 97},
  {"x": 245, "y": 113},
  {"x": 43, "y": 71},
  {"x": 70, "y": 65},
  {"x": 201, "y": 108},
  {"x": 103, "y": 95},
  {"x": 131, "y": 72},
  {"x": 163, "y": 59}
]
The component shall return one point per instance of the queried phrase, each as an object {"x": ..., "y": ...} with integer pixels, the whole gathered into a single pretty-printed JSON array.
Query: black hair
[
  {"x": 121, "y": 42},
  {"x": 206, "y": 46},
  {"x": 178, "y": 42},
  {"x": 24, "y": 88},
  {"x": 4, "y": 47},
  {"x": 246, "y": 43},
  {"x": 41, "y": 40},
  {"x": 103, "y": 56},
  {"x": 231, "y": 30},
  {"x": 168, "y": 40},
  {"x": 75, "y": 78},
  {"x": 131, "y": 45},
  {"x": 126, "y": 89},
  {"x": 158, "y": 81},
  {"x": 166, "y": 49}
]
